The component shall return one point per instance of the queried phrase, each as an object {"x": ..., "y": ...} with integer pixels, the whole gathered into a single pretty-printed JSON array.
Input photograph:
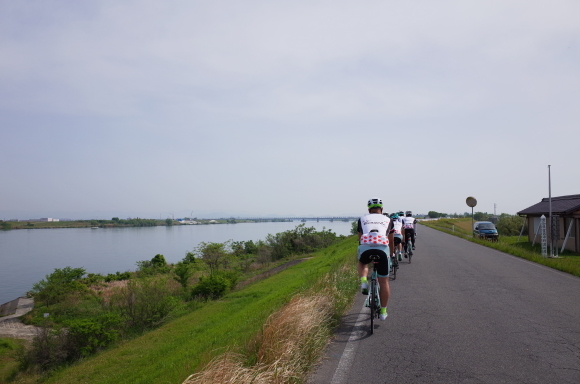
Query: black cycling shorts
[{"x": 382, "y": 266}]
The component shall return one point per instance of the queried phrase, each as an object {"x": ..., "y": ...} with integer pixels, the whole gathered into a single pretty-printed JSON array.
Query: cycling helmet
[
  {"x": 375, "y": 202},
  {"x": 400, "y": 213},
  {"x": 408, "y": 213},
  {"x": 394, "y": 216}
]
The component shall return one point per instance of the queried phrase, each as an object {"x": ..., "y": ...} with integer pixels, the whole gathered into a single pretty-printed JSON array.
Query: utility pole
[{"x": 551, "y": 224}]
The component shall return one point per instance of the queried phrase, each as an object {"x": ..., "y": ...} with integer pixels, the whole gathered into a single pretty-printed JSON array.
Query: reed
[{"x": 291, "y": 340}]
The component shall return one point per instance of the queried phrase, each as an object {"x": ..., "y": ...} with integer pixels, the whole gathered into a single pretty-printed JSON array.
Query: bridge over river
[{"x": 295, "y": 218}]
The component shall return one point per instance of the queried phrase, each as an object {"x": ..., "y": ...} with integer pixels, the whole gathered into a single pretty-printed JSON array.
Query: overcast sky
[{"x": 159, "y": 108}]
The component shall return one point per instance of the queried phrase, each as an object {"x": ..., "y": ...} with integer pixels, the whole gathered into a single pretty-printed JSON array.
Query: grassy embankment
[
  {"x": 568, "y": 262},
  {"x": 235, "y": 323},
  {"x": 8, "y": 362}
]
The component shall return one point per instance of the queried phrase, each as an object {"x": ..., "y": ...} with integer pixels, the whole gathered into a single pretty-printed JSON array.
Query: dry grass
[
  {"x": 290, "y": 341},
  {"x": 107, "y": 290}
]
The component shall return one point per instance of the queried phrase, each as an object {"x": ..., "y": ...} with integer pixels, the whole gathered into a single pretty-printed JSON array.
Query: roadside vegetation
[
  {"x": 90, "y": 314},
  {"x": 509, "y": 228}
]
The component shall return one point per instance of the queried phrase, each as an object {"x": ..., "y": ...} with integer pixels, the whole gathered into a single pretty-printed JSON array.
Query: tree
[
  {"x": 214, "y": 255},
  {"x": 183, "y": 271},
  {"x": 59, "y": 284},
  {"x": 158, "y": 261},
  {"x": 480, "y": 216},
  {"x": 169, "y": 222}
]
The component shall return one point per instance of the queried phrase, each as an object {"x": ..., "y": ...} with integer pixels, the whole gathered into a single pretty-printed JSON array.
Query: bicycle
[
  {"x": 394, "y": 266},
  {"x": 409, "y": 249},
  {"x": 373, "y": 300}
]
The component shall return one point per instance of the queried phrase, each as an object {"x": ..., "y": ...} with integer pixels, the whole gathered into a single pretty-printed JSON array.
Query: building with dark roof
[{"x": 566, "y": 217}]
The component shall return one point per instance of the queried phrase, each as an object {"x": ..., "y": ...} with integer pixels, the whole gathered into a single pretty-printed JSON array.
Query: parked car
[{"x": 485, "y": 230}]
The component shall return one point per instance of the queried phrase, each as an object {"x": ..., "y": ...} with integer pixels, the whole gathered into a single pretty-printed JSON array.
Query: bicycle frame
[{"x": 373, "y": 300}]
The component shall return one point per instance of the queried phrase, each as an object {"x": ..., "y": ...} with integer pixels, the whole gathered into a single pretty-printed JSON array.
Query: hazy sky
[{"x": 153, "y": 108}]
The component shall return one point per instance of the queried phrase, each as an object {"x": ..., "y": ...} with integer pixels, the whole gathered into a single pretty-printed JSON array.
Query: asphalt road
[{"x": 463, "y": 313}]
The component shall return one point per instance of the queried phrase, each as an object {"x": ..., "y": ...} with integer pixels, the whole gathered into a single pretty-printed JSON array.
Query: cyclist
[
  {"x": 409, "y": 226},
  {"x": 375, "y": 238},
  {"x": 397, "y": 234}
]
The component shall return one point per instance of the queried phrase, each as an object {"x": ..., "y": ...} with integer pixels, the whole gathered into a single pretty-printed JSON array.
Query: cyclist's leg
[
  {"x": 398, "y": 240},
  {"x": 406, "y": 239},
  {"x": 363, "y": 269},
  {"x": 383, "y": 269},
  {"x": 413, "y": 238}
]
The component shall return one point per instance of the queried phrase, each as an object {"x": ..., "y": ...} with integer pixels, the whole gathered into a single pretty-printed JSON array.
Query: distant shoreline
[{"x": 119, "y": 223}]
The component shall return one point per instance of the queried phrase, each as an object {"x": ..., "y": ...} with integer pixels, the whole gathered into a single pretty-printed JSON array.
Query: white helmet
[{"x": 375, "y": 202}]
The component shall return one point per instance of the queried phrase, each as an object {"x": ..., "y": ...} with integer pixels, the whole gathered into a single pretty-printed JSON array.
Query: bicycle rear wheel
[
  {"x": 394, "y": 266},
  {"x": 409, "y": 250}
]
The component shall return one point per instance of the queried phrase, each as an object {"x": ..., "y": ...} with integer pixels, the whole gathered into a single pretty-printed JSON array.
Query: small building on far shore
[{"x": 566, "y": 216}]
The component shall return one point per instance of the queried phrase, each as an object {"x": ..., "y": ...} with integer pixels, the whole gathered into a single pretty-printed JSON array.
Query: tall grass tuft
[{"x": 291, "y": 340}]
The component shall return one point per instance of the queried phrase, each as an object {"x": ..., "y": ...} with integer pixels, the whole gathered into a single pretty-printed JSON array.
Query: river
[{"x": 28, "y": 255}]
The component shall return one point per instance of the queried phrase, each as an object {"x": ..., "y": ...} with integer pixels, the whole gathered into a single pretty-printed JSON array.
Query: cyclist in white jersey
[
  {"x": 397, "y": 234},
  {"x": 409, "y": 227},
  {"x": 375, "y": 238}
]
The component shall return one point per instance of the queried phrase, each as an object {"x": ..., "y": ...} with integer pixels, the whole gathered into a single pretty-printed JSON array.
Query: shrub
[
  {"x": 183, "y": 271},
  {"x": 58, "y": 285},
  {"x": 52, "y": 348},
  {"x": 93, "y": 278},
  {"x": 509, "y": 225},
  {"x": 47, "y": 350},
  {"x": 300, "y": 240},
  {"x": 144, "y": 303},
  {"x": 155, "y": 266},
  {"x": 117, "y": 276},
  {"x": 85, "y": 336},
  {"x": 158, "y": 261},
  {"x": 211, "y": 287}
]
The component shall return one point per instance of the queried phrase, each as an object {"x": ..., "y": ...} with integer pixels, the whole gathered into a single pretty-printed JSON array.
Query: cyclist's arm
[{"x": 391, "y": 236}]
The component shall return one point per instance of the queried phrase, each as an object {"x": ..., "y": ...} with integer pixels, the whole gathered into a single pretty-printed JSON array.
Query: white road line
[{"x": 349, "y": 351}]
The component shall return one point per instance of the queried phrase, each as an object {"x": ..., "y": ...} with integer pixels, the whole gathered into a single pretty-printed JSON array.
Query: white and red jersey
[
  {"x": 397, "y": 226},
  {"x": 374, "y": 228},
  {"x": 409, "y": 222}
]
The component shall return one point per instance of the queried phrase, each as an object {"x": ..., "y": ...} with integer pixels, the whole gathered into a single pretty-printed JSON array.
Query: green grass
[
  {"x": 8, "y": 358},
  {"x": 176, "y": 350},
  {"x": 568, "y": 262}
]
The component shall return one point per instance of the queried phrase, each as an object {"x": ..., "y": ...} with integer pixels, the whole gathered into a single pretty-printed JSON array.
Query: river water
[{"x": 28, "y": 255}]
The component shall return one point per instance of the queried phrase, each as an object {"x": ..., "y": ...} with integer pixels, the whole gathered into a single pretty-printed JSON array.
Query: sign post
[{"x": 471, "y": 202}]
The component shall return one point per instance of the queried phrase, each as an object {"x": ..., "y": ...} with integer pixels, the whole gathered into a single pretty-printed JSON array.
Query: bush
[
  {"x": 211, "y": 287},
  {"x": 509, "y": 225},
  {"x": 300, "y": 240},
  {"x": 183, "y": 271},
  {"x": 157, "y": 265},
  {"x": 144, "y": 303},
  {"x": 47, "y": 350},
  {"x": 52, "y": 348},
  {"x": 118, "y": 276},
  {"x": 93, "y": 278},
  {"x": 86, "y": 336},
  {"x": 58, "y": 285}
]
